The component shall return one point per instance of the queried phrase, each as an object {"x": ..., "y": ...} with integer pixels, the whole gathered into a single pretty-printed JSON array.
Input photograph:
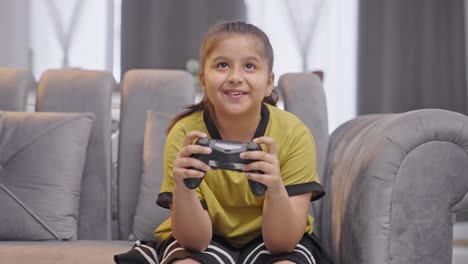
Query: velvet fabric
[
  {"x": 394, "y": 183},
  {"x": 42, "y": 156},
  {"x": 149, "y": 215},
  {"x": 15, "y": 85},
  {"x": 73, "y": 90},
  {"x": 142, "y": 90}
]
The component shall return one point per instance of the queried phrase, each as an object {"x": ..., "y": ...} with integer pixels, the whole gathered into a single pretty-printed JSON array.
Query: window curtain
[
  {"x": 166, "y": 34},
  {"x": 411, "y": 56}
]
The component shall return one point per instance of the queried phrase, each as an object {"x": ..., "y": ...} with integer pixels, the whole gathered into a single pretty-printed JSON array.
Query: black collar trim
[{"x": 262, "y": 125}]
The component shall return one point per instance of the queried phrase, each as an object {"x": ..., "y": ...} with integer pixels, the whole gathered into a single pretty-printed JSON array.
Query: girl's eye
[
  {"x": 222, "y": 65},
  {"x": 250, "y": 66}
]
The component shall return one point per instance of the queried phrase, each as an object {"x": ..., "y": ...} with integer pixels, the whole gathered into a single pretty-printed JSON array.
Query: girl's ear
[
  {"x": 201, "y": 78},
  {"x": 271, "y": 84}
]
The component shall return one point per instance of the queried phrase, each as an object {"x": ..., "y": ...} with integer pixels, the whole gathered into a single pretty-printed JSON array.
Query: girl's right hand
[{"x": 184, "y": 165}]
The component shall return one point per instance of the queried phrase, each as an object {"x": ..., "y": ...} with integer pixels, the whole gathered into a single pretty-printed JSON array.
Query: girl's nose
[{"x": 235, "y": 76}]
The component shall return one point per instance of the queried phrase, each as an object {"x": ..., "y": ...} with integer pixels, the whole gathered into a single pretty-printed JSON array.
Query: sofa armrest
[{"x": 394, "y": 183}]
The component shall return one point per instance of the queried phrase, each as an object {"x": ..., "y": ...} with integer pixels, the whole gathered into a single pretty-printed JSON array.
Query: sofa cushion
[
  {"x": 42, "y": 156},
  {"x": 59, "y": 252},
  {"x": 148, "y": 215}
]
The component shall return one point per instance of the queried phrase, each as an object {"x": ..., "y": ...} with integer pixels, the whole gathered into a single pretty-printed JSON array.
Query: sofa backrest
[
  {"x": 15, "y": 84},
  {"x": 303, "y": 95},
  {"x": 70, "y": 90},
  {"x": 142, "y": 90}
]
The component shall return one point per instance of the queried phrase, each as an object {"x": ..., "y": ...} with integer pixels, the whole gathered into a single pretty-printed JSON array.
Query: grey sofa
[
  {"x": 393, "y": 181},
  {"x": 15, "y": 84},
  {"x": 62, "y": 91}
]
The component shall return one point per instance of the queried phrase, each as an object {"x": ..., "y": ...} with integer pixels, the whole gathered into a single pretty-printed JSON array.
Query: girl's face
[{"x": 236, "y": 77}]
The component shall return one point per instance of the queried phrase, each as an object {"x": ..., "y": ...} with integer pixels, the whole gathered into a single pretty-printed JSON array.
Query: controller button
[
  {"x": 203, "y": 141},
  {"x": 251, "y": 146}
]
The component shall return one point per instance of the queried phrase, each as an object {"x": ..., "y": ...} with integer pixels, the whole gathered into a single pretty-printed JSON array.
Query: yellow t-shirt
[{"x": 236, "y": 213}]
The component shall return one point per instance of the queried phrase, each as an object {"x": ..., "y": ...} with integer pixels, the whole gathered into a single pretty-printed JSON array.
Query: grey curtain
[
  {"x": 165, "y": 34},
  {"x": 411, "y": 55}
]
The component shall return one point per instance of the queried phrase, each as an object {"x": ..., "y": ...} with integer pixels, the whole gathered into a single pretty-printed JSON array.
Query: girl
[{"x": 221, "y": 221}]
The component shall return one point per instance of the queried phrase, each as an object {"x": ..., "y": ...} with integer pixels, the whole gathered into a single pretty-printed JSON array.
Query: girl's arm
[
  {"x": 284, "y": 220},
  {"x": 284, "y": 217},
  {"x": 190, "y": 223}
]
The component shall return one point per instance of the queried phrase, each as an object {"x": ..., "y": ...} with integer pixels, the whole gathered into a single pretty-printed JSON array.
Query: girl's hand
[
  {"x": 266, "y": 162},
  {"x": 186, "y": 166}
]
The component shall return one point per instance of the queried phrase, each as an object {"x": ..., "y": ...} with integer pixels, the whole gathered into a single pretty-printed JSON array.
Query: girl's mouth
[{"x": 235, "y": 95}]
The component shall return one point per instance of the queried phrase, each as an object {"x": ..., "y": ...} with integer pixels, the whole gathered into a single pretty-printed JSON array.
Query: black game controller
[{"x": 226, "y": 155}]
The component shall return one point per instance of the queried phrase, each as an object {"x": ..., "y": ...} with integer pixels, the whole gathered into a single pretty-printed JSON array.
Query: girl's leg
[
  {"x": 170, "y": 251},
  {"x": 308, "y": 250},
  {"x": 186, "y": 261}
]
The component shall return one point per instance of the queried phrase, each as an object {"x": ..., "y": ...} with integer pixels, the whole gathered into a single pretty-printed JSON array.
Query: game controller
[{"x": 226, "y": 155}]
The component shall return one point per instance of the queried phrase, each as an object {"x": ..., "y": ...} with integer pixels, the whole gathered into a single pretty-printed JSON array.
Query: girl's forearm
[
  {"x": 191, "y": 224},
  {"x": 283, "y": 226}
]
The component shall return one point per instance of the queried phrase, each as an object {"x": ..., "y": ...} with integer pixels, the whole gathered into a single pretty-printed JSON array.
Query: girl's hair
[{"x": 216, "y": 33}]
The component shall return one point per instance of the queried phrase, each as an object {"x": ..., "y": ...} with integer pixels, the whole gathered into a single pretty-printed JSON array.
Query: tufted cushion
[
  {"x": 42, "y": 156},
  {"x": 148, "y": 215}
]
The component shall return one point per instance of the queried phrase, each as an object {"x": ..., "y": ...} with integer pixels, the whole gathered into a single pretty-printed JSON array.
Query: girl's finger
[
  {"x": 268, "y": 142},
  {"x": 188, "y": 173},
  {"x": 261, "y": 178},
  {"x": 191, "y": 163},
  {"x": 265, "y": 167},
  {"x": 187, "y": 151},
  {"x": 192, "y": 136},
  {"x": 258, "y": 155}
]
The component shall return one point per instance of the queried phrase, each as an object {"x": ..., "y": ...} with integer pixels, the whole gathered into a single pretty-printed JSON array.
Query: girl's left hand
[{"x": 267, "y": 162}]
